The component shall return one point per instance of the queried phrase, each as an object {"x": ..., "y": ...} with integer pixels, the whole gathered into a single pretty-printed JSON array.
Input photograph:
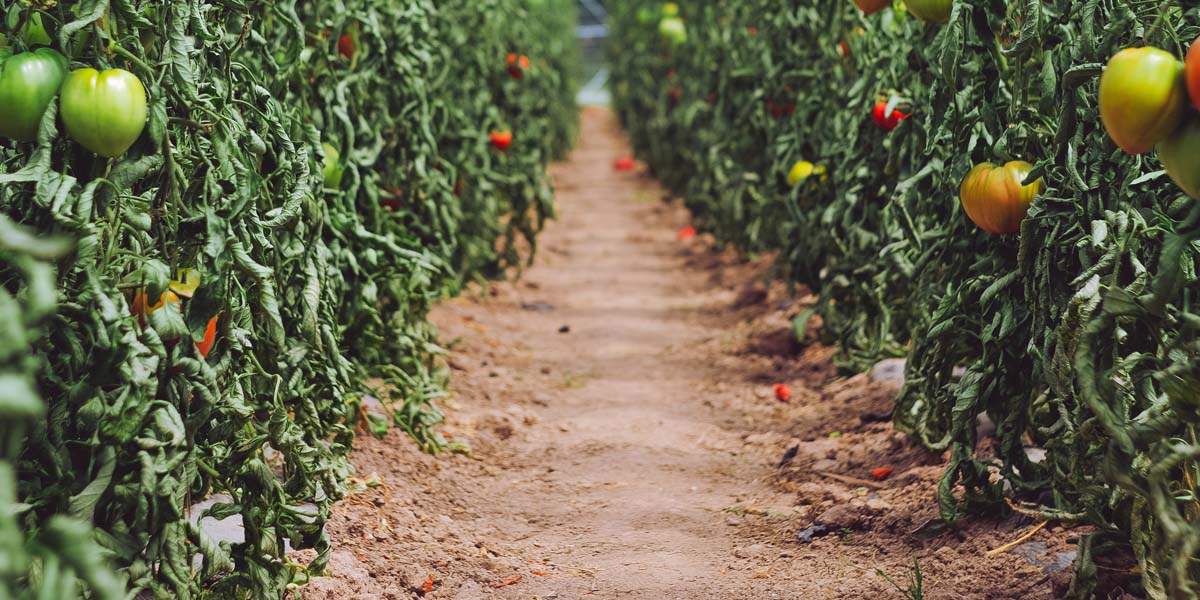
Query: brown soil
[{"x": 626, "y": 441}]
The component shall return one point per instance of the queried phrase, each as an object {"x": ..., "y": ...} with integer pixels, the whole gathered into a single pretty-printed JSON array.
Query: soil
[{"x": 626, "y": 440}]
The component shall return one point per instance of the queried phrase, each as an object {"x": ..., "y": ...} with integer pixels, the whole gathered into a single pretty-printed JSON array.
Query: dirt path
[{"x": 625, "y": 439}]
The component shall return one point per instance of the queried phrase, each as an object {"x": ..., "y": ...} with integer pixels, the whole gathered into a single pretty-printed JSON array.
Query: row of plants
[
  {"x": 970, "y": 184},
  {"x": 222, "y": 225}
]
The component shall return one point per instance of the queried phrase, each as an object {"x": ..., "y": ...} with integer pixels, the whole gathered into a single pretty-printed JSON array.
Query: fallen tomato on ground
[
  {"x": 28, "y": 82},
  {"x": 686, "y": 233},
  {"x": 1142, "y": 97},
  {"x": 104, "y": 111},
  {"x": 624, "y": 164},
  {"x": 501, "y": 140},
  {"x": 880, "y": 473},
  {"x": 783, "y": 393},
  {"x": 887, "y": 120},
  {"x": 993, "y": 197}
]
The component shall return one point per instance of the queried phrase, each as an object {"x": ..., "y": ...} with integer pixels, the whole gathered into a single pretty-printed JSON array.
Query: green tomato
[
  {"x": 1180, "y": 155},
  {"x": 104, "y": 112},
  {"x": 333, "y": 166},
  {"x": 646, "y": 15},
  {"x": 674, "y": 30},
  {"x": 28, "y": 82},
  {"x": 1143, "y": 97},
  {"x": 931, "y": 11},
  {"x": 670, "y": 9}
]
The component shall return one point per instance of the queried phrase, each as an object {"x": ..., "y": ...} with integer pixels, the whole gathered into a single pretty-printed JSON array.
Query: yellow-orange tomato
[
  {"x": 142, "y": 309},
  {"x": 994, "y": 198},
  {"x": 1142, "y": 97},
  {"x": 871, "y": 7}
]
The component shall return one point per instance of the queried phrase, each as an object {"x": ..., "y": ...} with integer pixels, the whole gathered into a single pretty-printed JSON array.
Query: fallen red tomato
[
  {"x": 887, "y": 121},
  {"x": 624, "y": 164},
  {"x": 686, "y": 233},
  {"x": 501, "y": 140},
  {"x": 783, "y": 393},
  {"x": 880, "y": 473}
]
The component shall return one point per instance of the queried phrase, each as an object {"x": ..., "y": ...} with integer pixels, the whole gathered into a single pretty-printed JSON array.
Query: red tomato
[
  {"x": 516, "y": 66},
  {"x": 501, "y": 140},
  {"x": 880, "y": 473},
  {"x": 1192, "y": 70},
  {"x": 346, "y": 46},
  {"x": 889, "y": 121},
  {"x": 624, "y": 164},
  {"x": 778, "y": 110},
  {"x": 686, "y": 233},
  {"x": 210, "y": 338},
  {"x": 783, "y": 393},
  {"x": 872, "y": 6}
]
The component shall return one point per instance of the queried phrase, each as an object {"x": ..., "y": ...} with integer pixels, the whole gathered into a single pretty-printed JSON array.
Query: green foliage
[
  {"x": 316, "y": 290},
  {"x": 1079, "y": 335}
]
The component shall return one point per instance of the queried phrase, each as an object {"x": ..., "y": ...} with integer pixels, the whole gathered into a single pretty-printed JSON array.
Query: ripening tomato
[
  {"x": 931, "y": 11},
  {"x": 994, "y": 198},
  {"x": 1180, "y": 156},
  {"x": 1142, "y": 97},
  {"x": 871, "y": 7},
  {"x": 887, "y": 121},
  {"x": 205, "y": 345},
  {"x": 333, "y": 167},
  {"x": 673, "y": 30},
  {"x": 345, "y": 46},
  {"x": 501, "y": 140},
  {"x": 104, "y": 112},
  {"x": 1192, "y": 72},
  {"x": 142, "y": 309},
  {"x": 28, "y": 82}
]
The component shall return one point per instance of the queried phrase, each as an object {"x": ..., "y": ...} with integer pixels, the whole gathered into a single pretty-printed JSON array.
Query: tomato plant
[
  {"x": 994, "y": 197},
  {"x": 332, "y": 167},
  {"x": 1142, "y": 97},
  {"x": 886, "y": 120},
  {"x": 932, "y": 11},
  {"x": 104, "y": 112},
  {"x": 1180, "y": 155},
  {"x": 1192, "y": 71},
  {"x": 870, "y": 7},
  {"x": 28, "y": 82}
]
